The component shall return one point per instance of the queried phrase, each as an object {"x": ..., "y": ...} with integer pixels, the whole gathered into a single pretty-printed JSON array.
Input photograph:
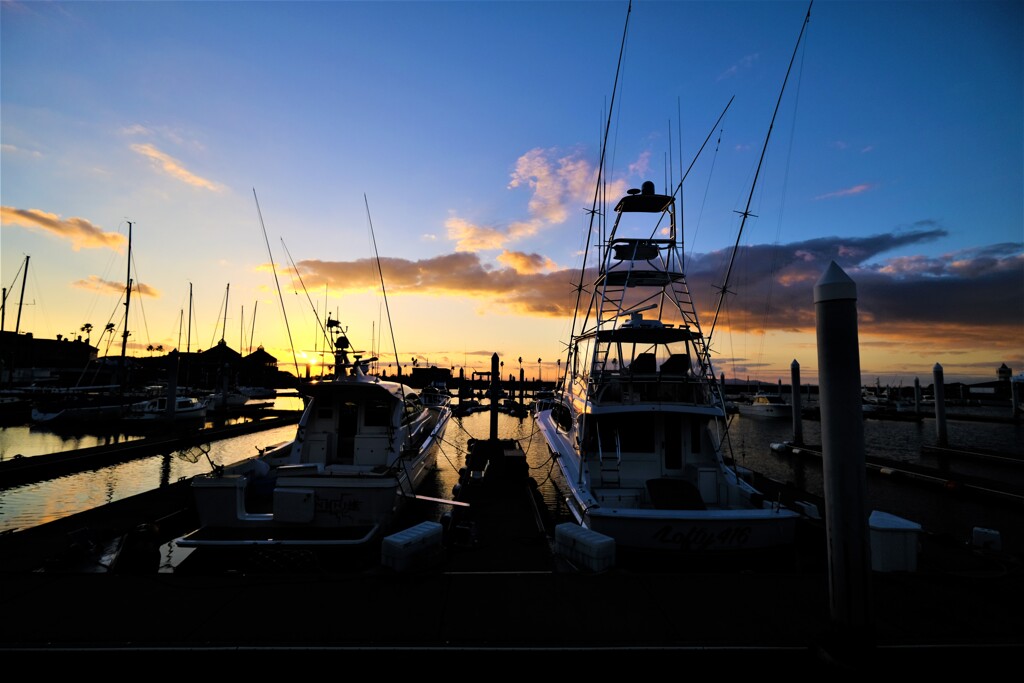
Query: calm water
[{"x": 937, "y": 511}]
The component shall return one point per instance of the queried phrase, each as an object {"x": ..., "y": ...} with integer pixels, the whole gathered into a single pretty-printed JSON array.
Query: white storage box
[
  {"x": 894, "y": 543},
  {"x": 987, "y": 539},
  {"x": 417, "y": 546},
  {"x": 583, "y": 547}
]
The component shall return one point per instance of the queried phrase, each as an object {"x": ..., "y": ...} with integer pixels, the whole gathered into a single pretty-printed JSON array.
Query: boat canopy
[{"x": 646, "y": 335}]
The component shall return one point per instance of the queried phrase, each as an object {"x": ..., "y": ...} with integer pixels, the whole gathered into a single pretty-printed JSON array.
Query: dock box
[
  {"x": 583, "y": 547},
  {"x": 894, "y": 543},
  {"x": 415, "y": 547},
  {"x": 986, "y": 539}
]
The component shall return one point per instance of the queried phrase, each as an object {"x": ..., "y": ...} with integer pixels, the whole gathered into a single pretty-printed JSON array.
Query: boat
[
  {"x": 362, "y": 449},
  {"x": 638, "y": 424},
  {"x": 770, "y": 406},
  {"x": 161, "y": 409},
  {"x": 226, "y": 400},
  {"x": 78, "y": 405}
]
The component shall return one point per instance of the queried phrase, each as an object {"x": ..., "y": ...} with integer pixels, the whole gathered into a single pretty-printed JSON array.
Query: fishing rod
[
  {"x": 746, "y": 211},
  {"x": 384, "y": 292},
  {"x": 316, "y": 313},
  {"x": 277, "y": 283}
]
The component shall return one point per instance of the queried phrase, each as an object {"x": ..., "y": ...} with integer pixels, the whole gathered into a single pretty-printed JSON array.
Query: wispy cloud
[
  {"x": 174, "y": 168},
  {"x": 847, "y": 192},
  {"x": 744, "y": 64},
  {"x": 80, "y": 232},
  {"x": 97, "y": 284},
  {"x": 18, "y": 151}
]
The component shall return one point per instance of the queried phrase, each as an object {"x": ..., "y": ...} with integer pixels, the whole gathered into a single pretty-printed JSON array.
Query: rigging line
[
  {"x": 778, "y": 227},
  {"x": 311, "y": 304},
  {"x": 295, "y": 360},
  {"x": 600, "y": 171},
  {"x": 764, "y": 149},
  {"x": 383, "y": 290},
  {"x": 704, "y": 199}
]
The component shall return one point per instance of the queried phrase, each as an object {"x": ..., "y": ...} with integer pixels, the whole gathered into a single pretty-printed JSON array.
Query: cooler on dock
[{"x": 894, "y": 542}]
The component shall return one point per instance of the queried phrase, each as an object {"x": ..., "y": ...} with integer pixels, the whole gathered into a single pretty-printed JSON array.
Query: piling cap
[{"x": 834, "y": 285}]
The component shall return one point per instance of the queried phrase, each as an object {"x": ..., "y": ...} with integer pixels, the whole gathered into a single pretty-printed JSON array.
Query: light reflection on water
[{"x": 750, "y": 440}]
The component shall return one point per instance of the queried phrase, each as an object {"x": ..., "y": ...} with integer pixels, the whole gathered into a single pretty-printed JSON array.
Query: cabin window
[
  {"x": 695, "y": 429},
  {"x": 324, "y": 413},
  {"x": 673, "y": 442},
  {"x": 377, "y": 414}
]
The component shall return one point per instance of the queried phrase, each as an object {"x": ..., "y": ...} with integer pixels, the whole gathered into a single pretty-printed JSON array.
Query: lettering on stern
[
  {"x": 336, "y": 507},
  {"x": 697, "y": 539}
]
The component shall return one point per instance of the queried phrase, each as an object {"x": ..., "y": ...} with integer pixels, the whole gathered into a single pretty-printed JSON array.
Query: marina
[{"x": 629, "y": 502}]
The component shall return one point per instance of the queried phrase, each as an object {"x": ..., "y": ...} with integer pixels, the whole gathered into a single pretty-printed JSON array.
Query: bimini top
[{"x": 644, "y": 200}]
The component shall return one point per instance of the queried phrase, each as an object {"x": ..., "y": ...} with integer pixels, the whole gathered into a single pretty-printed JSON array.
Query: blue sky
[{"x": 467, "y": 134}]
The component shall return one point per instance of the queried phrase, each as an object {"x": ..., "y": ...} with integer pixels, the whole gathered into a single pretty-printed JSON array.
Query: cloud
[
  {"x": 97, "y": 284},
  {"x": 80, "y": 232},
  {"x": 856, "y": 189},
  {"x": 970, "y": 299},
  {"x": 744, "y": 64},
  {"x": 173, "y": 167},
  {"x": 526, "y": 263},
  {"x": 12, "y": 149},
  {"x": 561, "y": 185}
]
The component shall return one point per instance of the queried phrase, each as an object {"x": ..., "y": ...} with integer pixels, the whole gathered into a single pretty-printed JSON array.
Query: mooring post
[
  {"x": 843, "y": 462},
  {"x": 940, "y": 405},
  {"x": 1015, "y": 397},
  {"x": 917, "y": 396},
  {"x": 798, "y": 423},
  {"x": 495, "y": 392},
  {"x": 172, "y": 382}
]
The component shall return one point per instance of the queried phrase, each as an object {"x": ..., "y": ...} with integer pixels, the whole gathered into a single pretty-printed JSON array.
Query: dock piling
[{"x": 843, "y": 460}]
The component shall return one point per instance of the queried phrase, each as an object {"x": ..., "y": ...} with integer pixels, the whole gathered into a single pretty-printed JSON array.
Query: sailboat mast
[
  {"x": 253, "y": 332},
  {"x": 127, "y": 302},
  {"x": 224, "y": 325},
  {"x": 21, "y": 298}
]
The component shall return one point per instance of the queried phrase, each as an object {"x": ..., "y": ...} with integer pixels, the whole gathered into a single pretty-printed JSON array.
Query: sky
[{"x": 265, "y": 157}]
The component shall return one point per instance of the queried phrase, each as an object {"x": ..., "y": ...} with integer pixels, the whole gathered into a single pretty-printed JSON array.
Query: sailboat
[{"x": 638, "y": 425}]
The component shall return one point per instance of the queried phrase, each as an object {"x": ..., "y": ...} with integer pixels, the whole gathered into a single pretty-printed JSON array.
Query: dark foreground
[{"x": 495, "y": 587}]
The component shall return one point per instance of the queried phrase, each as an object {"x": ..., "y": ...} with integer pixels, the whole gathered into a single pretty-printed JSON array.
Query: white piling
[
  {"x": 843, "y": 462},
  {"x": 798, "y": 424}
]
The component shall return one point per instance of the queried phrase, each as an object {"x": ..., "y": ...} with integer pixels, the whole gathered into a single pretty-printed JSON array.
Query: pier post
[
  {"x": 940, "y": 405},
  {"x": 798, "y": 424},
  {"x": 843, "y": 462},
  {"x": 917, "y": 396},
  {"x": 1015, "y": 397},
  {"x": 495, "y": 391}
]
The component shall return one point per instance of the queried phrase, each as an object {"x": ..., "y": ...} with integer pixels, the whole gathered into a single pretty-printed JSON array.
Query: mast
[
  {"x": 21, "y": 299},
  {"x": 127, "y": 301},
  {"x": 224, "y": 325},
  {"x": 188, "y": 340},
  {"x": 253, "y": 332}
]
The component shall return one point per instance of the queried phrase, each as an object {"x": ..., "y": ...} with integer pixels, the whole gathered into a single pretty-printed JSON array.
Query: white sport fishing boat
[
  {"x": 362, "y": 448},
  {"x": 638, "y": 424}
]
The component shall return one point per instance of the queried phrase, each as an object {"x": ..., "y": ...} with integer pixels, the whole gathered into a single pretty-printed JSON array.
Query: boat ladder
[{"x": 610, "y": 472}]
